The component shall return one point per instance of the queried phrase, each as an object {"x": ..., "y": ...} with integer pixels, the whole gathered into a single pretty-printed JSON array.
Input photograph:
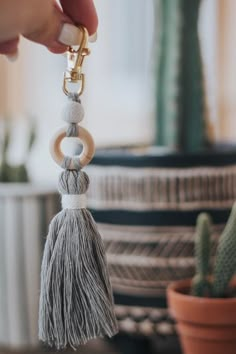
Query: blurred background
[
  {"x": 120, "y": 89},
  {"x": 120, "y": 110}
]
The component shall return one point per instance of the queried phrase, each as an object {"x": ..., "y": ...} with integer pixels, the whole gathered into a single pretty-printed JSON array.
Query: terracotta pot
[{"x": 205, "y": 326}]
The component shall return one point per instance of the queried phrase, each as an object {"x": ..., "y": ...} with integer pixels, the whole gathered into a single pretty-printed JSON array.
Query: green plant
[
  {"x": 9, "y": 173},
  {"x": 200, "y": 284},
  {"x": 215, "y": 283},
  {"x": 5, "y": 169},
  {"x": 180, "y": 94}
]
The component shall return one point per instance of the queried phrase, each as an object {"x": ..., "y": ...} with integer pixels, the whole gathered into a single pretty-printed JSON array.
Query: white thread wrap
[{"x": 74, "y": 201}]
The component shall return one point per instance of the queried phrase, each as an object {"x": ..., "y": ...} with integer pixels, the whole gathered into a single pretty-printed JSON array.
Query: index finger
[{"x": 81, "y": 12}]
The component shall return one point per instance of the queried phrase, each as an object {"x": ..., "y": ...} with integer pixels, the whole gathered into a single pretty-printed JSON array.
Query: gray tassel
[{"x": 76, "y": 302}]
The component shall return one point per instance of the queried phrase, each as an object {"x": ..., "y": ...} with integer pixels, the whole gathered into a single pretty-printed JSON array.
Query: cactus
[
  {"x": 225, "y": 262},
  {"x": 32, "y": 135},
  {"x": 180, "y": 95},
  {"x": 201, "y": 285},
  {"x": 5, "y": 169},
  {"x": 18, "y": 173}
]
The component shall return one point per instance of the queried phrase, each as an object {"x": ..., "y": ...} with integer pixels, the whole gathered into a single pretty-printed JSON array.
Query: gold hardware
[{"x": 75, "y": 59}]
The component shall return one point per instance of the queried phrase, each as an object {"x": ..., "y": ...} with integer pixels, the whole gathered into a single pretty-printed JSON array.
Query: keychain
[{"x": 76, "y": 302}]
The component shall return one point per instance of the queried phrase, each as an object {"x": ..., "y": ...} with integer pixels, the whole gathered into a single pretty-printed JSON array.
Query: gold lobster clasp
[{"x": 75, "y": 59}]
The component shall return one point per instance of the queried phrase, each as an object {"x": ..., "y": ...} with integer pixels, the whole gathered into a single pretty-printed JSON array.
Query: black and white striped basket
[{"x": 146, "y": 208}]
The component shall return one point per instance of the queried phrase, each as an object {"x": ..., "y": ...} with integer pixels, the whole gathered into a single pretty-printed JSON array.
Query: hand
[{"x": 44, "y": 22}]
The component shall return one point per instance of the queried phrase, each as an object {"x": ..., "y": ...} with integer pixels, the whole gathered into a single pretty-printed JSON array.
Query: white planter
[{"x": 25, "y": 212}]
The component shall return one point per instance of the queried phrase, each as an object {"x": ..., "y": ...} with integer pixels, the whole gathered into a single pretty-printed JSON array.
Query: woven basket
[{"x": 146, "y": 207}]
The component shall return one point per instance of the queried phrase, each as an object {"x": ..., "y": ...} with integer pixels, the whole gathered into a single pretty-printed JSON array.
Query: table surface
[
  {"x": 94, "y": 347},
  {"x": 104, "y": 347}
]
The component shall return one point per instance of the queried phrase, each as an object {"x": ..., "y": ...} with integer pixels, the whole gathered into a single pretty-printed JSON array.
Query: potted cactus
[
  {"x": 146, "y": 200},
  {"x": 205, "y": 307}
]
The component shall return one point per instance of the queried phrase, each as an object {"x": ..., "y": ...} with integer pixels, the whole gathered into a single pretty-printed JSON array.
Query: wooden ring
[{"x": 88, "y": 147}]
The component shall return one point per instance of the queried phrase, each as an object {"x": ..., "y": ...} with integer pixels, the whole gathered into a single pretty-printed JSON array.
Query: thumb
[{"x": 51, "y": 27}]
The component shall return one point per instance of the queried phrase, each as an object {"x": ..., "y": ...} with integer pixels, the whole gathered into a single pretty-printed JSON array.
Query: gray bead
[{"x": 73, "y": 112}]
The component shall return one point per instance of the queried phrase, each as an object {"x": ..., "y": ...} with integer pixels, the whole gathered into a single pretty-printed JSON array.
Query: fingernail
[
  {"x": 12, "y": 57},
  {"x": 70, "y": 35},
  {"x": 93, "y": 38}
]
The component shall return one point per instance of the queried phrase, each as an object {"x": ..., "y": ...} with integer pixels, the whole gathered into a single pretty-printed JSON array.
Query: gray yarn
[
  {"x": 76, "y": 302},
  {"x": 72, "y": 130},
  {"x": 76, "y": 183},
  {"x": 73, "y": 96},
  {"x": 67, "y": 161}
]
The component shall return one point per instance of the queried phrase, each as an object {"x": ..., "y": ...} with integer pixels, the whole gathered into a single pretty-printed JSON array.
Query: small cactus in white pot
[
  {"x": 16, "y": 173},
  {"x": 25, "y": 211}
]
